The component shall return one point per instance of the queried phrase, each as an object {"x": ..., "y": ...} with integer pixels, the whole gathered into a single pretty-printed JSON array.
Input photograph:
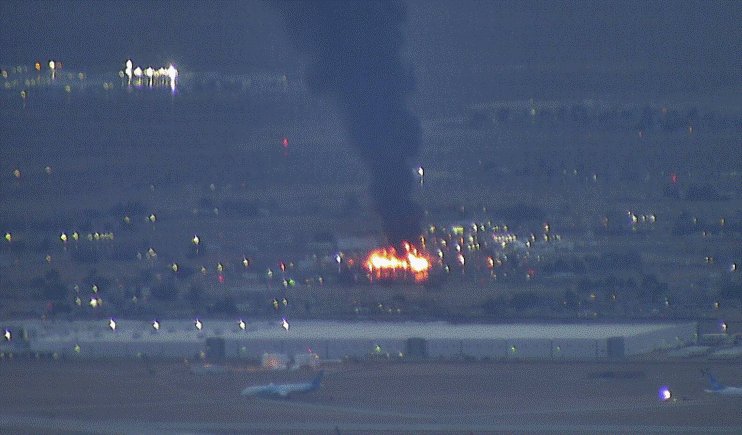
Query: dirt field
[{"x": 133, "y": 397}]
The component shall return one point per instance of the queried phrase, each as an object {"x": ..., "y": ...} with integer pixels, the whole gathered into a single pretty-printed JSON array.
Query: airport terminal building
[{"x": 221, "y": 339}]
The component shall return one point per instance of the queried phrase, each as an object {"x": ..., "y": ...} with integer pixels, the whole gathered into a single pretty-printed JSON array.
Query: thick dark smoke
[{"x": 354, "y": 52}]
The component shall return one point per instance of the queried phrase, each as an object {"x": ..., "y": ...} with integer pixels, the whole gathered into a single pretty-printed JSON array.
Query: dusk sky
[{"x": 456, "y": 45}]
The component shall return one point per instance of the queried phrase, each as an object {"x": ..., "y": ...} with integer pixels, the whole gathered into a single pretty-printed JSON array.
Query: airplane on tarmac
[
  {"x": 284, "y": 390},
  {"x": 716, "y": 388}
]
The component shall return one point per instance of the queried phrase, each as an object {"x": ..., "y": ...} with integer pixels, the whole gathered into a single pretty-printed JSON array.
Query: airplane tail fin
[
  {"x": 317, "y": 381},
  {"x": 713, "y": 383}
]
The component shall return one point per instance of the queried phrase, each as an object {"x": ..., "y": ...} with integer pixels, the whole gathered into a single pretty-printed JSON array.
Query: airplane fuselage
[
  {"x": 727, "y": 391},
  {"x": 283, "y": 390}
]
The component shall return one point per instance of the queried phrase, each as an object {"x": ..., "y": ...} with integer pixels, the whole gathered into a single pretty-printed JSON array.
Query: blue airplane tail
[
  {"x": 317, "y": 380},
  {"x": 713, "y": 383}
]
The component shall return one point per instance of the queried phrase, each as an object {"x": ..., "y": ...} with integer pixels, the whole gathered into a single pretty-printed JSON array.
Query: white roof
[{"x": 185, "y": 330}]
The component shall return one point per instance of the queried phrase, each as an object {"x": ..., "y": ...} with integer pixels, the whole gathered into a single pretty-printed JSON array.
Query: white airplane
[
  {"x": 722, "y": 390},
  {"x": 284, "y": 390}
]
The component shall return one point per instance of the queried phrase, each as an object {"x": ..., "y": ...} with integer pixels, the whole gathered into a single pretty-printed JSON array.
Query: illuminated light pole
[
  {"x": 129, "y": 71},
  {"x": 138, "y": 74},
  {"x": 196, "y": 241},
  {"x": 172, "y": 73},
  {"x": 161, "y": 73},
  {"x": 149, "y": 72}
]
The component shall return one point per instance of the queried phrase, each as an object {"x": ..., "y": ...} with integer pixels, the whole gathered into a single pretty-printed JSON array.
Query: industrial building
[{"x": 220, "y": 339}]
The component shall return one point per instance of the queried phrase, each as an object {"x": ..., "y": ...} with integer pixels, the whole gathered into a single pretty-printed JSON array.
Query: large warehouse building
[{"x": 219, "y": 339}]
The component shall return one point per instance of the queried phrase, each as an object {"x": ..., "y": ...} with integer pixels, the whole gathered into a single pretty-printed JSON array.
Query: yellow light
[
  {"x": 196, "y": 240},
  {"x": 17, "y": 173},
  {"x": 8, "y": 237},
  {"x": 75, "y": 236},
  {"x": 137, "y": 72},
  {"x": 63, "y": 237},
  {"x": 37, "y": 66},
  {"x": 93, "y": 302}
]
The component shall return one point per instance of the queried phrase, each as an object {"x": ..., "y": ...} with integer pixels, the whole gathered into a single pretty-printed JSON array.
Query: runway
[
  {"x": 44, "y": 424},
  {"x": 442, "y": 397}
]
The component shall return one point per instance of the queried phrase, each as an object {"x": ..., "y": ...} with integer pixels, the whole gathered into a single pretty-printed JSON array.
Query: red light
[
  {"x": 673, "y": 178},
  {"x": 285, "y": 142}
]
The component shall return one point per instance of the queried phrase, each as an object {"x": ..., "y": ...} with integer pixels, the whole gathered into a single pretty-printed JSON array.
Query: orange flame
[{"x": 387, "y": 263}]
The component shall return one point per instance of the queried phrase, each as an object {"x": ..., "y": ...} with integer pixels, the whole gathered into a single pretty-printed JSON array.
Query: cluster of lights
[
  {"x": 64, "y": 238},
  {"x": 137, "y": 76}
]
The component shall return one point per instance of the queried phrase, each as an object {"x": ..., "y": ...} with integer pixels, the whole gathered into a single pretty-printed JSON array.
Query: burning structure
[{"x": 389, "y": 264}]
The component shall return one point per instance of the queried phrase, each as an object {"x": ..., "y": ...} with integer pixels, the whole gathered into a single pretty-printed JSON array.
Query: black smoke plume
[{"x": 353, "y": 49}]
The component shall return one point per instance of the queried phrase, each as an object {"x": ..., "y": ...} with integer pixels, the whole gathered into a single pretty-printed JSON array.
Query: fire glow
[{"x": 388, "y": 264}]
